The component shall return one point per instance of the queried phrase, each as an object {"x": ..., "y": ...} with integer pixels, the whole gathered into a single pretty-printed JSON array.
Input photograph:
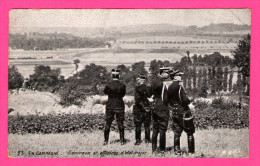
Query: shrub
[
  {"x": 15, "y": 78},
  {"x": 205, "y": 117},
  {"x": 219, "y": 102},
  {"x": 44, "y": 78},
  {"x": 70, "y": 95}
]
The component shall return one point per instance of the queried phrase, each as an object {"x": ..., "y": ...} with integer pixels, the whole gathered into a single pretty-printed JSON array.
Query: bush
[
  {"x": 15, "y": 78},
  {"x": 221, "y": 118},
  {"x": 62, "y": 123},
  {"x": 70, "y": 95},
  {"x": 219, "y": 102},
  {"x": 44, "y": 78},
  {"x": 205, "y": 117}
]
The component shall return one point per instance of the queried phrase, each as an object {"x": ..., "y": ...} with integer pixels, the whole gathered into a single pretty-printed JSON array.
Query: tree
[
  {"x": 189, "y": 78},
  {"x": 76, "y": 62},
  {"x": 219, "y": 79},
  {"x": 200, "y": 60},
  {"x": 242, "y": 58},
  {"x": 230, "y": 82},
  {"x": 184, "y": 61},
  {"x": 195, "y": 59},
  {"x": 44, "y": 77},
  {"x": 154, "y": 67},
  {"x": 225, "y": 79},
  {"x": 242, "y": 55},
  {"x": 93, "y": 74},
  {"x": 189, "y": 60},
  {"x": 138, "y": 68},
  {"x": 185, "y": 76},
  {"x": 15, "y": 78},
  {"x": 194, "y": 76},
  {"x": 200, "y": 79},
  {"x": 204, "y": 87}
]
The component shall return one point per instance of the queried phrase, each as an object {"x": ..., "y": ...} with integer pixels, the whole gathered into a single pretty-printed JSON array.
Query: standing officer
[
  {"x": 141, "y": 110},
  {"x": 160, "y": 112},
  {"x": 115, "y": 105},
  {"x": 180, "y": 113}
]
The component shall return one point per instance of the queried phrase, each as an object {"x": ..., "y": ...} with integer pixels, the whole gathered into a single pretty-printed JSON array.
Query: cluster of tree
[
  {"x": 215, "y": 59},
  {"x": 216, "y": 75},
  {"x": 52, "y": 41},
  {"x": 174, "y": 42},
  {"x": 15, "y": 78}
]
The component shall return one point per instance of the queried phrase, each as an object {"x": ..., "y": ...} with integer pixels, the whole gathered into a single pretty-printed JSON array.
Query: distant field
[
  {"x": 209, "y": 143},
  {"x": 109, "y": 58},
  {"x": 38, "y": 62}
]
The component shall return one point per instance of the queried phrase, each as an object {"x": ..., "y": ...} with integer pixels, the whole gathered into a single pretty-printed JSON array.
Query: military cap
[
  {"x": 115, "y": 71},
  {"x": 164, "y": 69},
  {"x": 141, "y": 76},
  {"x": 175, "y": 72}
]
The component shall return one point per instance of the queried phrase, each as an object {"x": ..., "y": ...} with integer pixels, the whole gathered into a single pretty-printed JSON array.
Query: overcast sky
[{"x": 123, "y": 17}]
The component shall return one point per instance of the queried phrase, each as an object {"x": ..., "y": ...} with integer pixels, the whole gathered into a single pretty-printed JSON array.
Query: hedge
[{"x": 206, "y": 118}]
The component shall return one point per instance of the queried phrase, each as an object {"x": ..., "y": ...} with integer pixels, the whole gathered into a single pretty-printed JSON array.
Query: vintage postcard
[{"x": 129, "y": 83}]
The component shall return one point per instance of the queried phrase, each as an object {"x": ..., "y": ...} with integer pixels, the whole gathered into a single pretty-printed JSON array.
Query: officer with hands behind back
[
  {"x": 141, "y": 110},
  {"x": 115, "y": 105}
]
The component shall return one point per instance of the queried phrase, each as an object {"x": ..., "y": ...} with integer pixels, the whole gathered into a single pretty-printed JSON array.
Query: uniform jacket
[
  {"x": 159, "y": 106},
  {"x": 177, "y": 95},
  {"x": 141, "y": 96},
  {"x": 156, "y": 90},
  {"x": 115, "y": 91}
]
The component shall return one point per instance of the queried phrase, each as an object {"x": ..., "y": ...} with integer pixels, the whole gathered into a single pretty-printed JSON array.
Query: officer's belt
[{"x": 175, "y": 111}]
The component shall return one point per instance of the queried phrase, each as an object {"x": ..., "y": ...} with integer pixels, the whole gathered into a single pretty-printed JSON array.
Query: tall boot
[
  {"x": 162, "y": 141},
  {"x": 138, "y": 135},
  {"x": 176, "y": 146},
  {"x": 154, "y": 141},
  {"x": 122, "y": 136},
  {"x": 191, "y": 144},
  {"x": 147, "y": 135},
  {"x": 106, "y": 134}
]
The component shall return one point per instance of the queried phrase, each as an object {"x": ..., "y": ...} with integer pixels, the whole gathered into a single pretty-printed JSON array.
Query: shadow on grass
[{"x": 118, "y": 141}]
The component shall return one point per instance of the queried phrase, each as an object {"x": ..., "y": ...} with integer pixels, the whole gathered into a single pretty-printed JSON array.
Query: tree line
[
  {"x": 202, "y": 75},
  {"x": 52, "y": 41}
]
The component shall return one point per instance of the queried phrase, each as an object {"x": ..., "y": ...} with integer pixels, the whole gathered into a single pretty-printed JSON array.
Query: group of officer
[{"x": 165, "y": 99}]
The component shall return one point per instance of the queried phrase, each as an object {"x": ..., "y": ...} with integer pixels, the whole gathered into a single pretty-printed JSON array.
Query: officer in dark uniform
[
  {"x": 115, "y": 105},
  {"x": 180, "y": 113},
  {"x": 141, "y": 110},
  {"x": 160, "y": 112}
]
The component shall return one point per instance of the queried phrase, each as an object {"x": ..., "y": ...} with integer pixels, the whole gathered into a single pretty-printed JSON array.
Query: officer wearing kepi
[
  {"x": 180, "y": 112},
  {"x": 141, "y": 110},
  {"x": 115, "y": 106},
  {"x": 160, "y": 112}
]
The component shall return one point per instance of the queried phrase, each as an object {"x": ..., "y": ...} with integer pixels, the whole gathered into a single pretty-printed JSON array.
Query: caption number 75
[{"x": 19, "y": 153}]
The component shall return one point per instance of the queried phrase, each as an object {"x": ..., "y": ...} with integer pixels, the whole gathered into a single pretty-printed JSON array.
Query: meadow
[
  {"x": 224, "y": 143},
  {"x": 43, "y": 128}
]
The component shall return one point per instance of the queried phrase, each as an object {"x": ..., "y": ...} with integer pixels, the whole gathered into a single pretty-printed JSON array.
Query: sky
[{"x": 123, "y": 17}]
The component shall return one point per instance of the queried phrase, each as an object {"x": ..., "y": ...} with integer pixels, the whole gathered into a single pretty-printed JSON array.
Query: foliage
[
  {"x": 230, "y": 81},
  {"x": 52, "y": 41},
  {"x": 44, "y": 78},
  {"x": 71, "y": 95},
  {"x": 225, "y": 79},
  {"x": 242, "y": 55},
  {"x": 15, "y": 78},
  {"x": 219, "y": 79},
  {"x": 242, "y": 59},
  {"x": 206, "y": 116},
  {"x": 88, "y": 81}
]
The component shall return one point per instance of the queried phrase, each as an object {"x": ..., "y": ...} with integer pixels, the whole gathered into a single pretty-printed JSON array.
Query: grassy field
[{"x": 209, "y": 143}]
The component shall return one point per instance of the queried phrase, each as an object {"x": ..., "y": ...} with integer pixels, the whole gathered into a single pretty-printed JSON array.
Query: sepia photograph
[{"x": 129, "y": 83}]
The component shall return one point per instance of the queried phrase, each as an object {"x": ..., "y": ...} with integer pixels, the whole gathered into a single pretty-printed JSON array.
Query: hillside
[{"x": 151, "y": 29}]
